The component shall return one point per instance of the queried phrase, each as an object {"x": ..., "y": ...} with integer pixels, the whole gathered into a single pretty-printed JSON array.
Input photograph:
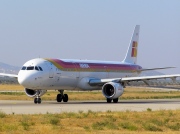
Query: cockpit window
[
  {"x": 23, "y": 68},
  {"x": 30, "y": 68},
  {"x": 40, "y": 68},
  {"x": 36, "y": 68}
]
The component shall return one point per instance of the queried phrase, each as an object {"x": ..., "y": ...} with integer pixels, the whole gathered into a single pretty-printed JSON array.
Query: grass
[
  {"x": 128, "y": 126},
  {"x": 11, "y": 87},
  {"x": 149, "y": 109},
  {"x": 2, "y": 114},
  {"x": 25, "y": 122},
  {"x": 128, "y": 122},
  {"x": 94, "y": 122}
]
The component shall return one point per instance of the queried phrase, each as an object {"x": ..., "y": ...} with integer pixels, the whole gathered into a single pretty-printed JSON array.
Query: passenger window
[
  {"x": 30, "y": 68},
  {"x": 23, "y": 68},
  {"x": 40, "y": 68},
  {"x": 36, "y": 68}
]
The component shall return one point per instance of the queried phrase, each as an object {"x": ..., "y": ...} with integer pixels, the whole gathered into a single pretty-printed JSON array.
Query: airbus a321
[{"x": 39, "y": 75}]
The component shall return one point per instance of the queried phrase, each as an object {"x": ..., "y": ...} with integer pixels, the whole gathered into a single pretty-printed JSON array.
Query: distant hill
[{"x": 5, "y": 68}]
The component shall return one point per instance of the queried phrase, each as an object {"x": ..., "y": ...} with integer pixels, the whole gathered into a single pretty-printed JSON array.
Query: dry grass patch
[
  {"x": 11, "y": 87},
  {"x": 148, "y": 122}
]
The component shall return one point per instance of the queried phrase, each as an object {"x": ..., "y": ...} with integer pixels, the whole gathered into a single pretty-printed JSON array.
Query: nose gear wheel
[{"x": 37, "y": 100}]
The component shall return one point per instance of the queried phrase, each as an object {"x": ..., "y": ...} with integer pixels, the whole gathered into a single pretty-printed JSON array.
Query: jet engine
[
  {"x": 112, "y": 90},
  {"x": 34, "y": 93}
]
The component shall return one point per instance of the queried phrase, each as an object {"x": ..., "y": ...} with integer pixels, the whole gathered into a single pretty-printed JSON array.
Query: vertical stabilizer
[{"x": 131, "y": 55}]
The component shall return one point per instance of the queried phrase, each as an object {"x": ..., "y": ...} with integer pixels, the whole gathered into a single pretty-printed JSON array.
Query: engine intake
[
  {"x": 34, "y": 93},
  {"x": 112, "y": 90}
]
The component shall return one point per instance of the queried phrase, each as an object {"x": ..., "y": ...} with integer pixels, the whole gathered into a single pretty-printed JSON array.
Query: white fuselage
[{"x": 70, "y": 74}]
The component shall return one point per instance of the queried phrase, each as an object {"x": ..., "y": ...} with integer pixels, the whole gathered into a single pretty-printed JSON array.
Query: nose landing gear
[
  {"x": 62, "y": 96},
  {"x": 37, "y": 100}
]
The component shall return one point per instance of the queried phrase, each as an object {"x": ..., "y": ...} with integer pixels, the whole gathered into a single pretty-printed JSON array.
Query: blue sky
[{"x": 90, "y": 29}]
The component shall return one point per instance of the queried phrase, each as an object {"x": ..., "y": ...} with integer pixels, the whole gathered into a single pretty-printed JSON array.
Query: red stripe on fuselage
[{"x": 63, "y": 65}]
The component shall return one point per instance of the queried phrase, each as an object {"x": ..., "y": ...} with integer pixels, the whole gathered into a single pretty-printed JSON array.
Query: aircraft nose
[{"x": 24, "y": 80}]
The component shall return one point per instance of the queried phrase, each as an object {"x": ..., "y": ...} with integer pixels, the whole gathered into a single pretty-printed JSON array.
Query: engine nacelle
[
  {"x": 112, "y": 90},
  {"x": 34, "y": 93}
]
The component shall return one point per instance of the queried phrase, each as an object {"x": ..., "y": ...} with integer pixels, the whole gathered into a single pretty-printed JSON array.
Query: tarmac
[{"x": 28, "y": 107}]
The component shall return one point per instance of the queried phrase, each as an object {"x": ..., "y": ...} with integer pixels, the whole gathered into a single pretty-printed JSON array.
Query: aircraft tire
[
  {"x": 115, "y": 100},
  {"x": 65, "y": 98},
  {"x": 59, "y": 98},
  {"x": 39, "y": 100},
  {"x": 109, "y": 100},
  {"x": 35, "y": 100}
]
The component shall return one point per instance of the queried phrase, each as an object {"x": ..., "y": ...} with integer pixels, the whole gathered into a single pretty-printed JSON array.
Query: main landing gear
[
  {"x": 114, "y": 100},
  {"x": 37, "y": 100},
  {"x": 62, "y": 96}
]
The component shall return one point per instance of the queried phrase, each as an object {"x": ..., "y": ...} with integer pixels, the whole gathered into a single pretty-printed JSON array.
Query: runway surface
[{"x": 28, "y": 107}]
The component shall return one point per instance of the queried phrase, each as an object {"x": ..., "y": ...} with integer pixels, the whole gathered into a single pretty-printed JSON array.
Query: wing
[
  {"x": 145, "y": 79},
  {"x": 9, "y": 75}
]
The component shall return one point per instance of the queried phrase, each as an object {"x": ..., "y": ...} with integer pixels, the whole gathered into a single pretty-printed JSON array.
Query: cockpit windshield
[
  {"x": 30, "y": 68},
  {"x": 23, "y": 68},
  {"x": 38, "y": 68}
]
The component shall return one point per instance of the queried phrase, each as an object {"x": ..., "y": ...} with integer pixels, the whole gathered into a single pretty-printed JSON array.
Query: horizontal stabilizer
[{"x": 149, "y": 69}]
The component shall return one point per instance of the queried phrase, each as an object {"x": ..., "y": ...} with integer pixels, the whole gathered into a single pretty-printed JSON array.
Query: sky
[{"x": 90, "y": 29}]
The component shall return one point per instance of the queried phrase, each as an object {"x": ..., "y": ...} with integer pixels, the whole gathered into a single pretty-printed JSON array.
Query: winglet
[{"x": 131, "y": 55}]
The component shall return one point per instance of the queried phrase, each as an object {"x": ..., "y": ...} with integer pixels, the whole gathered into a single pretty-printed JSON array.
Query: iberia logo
[{"x": 134, "y": 49}]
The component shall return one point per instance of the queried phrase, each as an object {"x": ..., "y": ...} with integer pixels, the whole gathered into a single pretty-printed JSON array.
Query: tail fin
[{"x": 131, "y": 55}]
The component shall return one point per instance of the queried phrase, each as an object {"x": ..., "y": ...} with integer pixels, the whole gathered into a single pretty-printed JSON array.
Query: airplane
[{"x": 42, "y": 74}]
